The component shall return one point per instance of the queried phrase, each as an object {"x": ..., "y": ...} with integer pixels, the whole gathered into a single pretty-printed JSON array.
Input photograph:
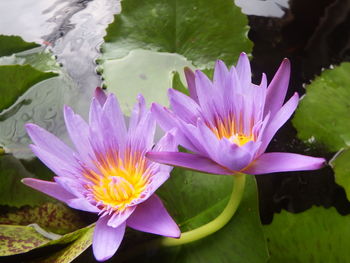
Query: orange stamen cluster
[
  {"x": 227, "y": 128},
  {"x": 119, "y": 181}
]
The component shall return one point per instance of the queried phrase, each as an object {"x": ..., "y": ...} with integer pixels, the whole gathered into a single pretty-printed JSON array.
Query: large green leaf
[
  {"x": 13, "y": 44},
  {"x": 316, "y": 235},
  {"x": 131, "y": 60},
  {"x": 323, "y": 114},
  {"x": 53, "y": 217},
  {"x": 341, "y": 167},
  {"x": 12, "y": 191},
  {"x": 16, "y": 79},
  {"x": 194, "y": 199}
]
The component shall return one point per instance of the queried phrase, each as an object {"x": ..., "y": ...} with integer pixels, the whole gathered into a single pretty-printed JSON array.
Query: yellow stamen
[
  {"x": 118, "y": 182},
  {"x": 228, "y": 129}
]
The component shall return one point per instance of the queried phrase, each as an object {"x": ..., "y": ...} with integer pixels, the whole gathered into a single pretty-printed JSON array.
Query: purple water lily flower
[
  {"x": 107, "y": 172},
  {"x": 228, "y": 123}
]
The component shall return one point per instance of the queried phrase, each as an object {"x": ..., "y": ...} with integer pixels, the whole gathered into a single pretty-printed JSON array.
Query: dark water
[{"x": 313, "y": 34}]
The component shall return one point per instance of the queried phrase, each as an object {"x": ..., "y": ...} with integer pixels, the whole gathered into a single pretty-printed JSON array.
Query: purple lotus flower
[
  {"x": 228, "y": 123},
  {"x": 107, "y": 172}
]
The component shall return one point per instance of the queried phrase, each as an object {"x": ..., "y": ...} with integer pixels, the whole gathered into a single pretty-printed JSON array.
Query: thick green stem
[{"x": 218, "y": 223}]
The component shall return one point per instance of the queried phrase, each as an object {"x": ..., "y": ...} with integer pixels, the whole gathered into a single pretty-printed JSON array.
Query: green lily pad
[
  {"x": 150, "y": 40},
  {"x": 12, "y": 191},
  {"x": 14, "y": 44},
  {"x": 316, "y": 235},
  {"x": 341, "y": 167},
  {"x": 53, "y": 217},
  {"x": 194, "y": 199},
  {"x": 323, "y": 114},
  {"x": 16, "y": 79}
]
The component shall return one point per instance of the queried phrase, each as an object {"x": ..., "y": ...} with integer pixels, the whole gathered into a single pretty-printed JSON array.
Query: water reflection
[
  {"x": 73, "y": 31},
  {"x": 269, "y": 8}
]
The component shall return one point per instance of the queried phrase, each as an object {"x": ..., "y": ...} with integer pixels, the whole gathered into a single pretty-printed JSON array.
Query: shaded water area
[{"x": 309, "y": 33}]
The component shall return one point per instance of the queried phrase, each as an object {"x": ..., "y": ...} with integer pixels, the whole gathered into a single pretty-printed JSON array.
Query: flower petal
[
  {"x": 184, "y": 106},
  {"x": 190, "y": 161},
  {"x": 278, "y": 120},
  {"x": 83, "y": 205},
  {"x": 52, "y": 189},
  {"x": 138, "y": 112},
  {"x": 152, "y": 217},
  {"x": 117, "y": 219},
  {"x": 50, "y": 143},
  {"x": 78, "y": 131},
  {"x": 100, "y": 95},
  {"x": 106, "y": 239},
  {"x": 244, "y": 71},
  {"x": 284, "y": 162},
  {"x": 57, "y": 165},
  {"x": 165, "y": 118},
  {"x": 191, "y": 82},
  {"x": 277, "y": 90}
]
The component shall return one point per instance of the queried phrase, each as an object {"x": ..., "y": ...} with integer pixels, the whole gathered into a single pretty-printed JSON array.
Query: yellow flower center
[
  {"x": 118, "y": 182},
  {"x": 228, "y": 129}
]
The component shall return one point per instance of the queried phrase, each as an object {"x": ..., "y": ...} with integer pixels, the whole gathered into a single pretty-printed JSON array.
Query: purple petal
[
  {"x": 168, "y": 144},
  {"x": 100, "y": 95},
  {"x": 190, "y": 161},
  {"x": 113, "y": 116},
  {"x": 164, "y": 117},
  {"x": 243, "y": 70},
  {"x": 277, "y": 90},
  {"x": 184, "y": 106},
  {"x": 119, "y": 218},
  {"x": 190, "y": 78},
  {"x": 50, "y": 143},
  {"x": 152, "y": 217},
  {"x": 223, "y": 152},
  {"x": 106, "y": 239},
  {"x": 57, "y": 165},
  {"x": 278, "y": 120},
  {"x": 83, "y": 205},
  {"x": 138, "y": 112},
  {"x": 50, "y": 188},
  {"x": 284, "y": 162},
  {"x": 221, "y": 74},
  {"x": 78, "y": 131}
]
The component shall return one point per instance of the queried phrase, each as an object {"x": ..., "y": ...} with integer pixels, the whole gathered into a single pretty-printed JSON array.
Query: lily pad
[
  {"x": 323, "y": 114},
  {"x": 14, "y": 44},
  {"x": 150, "y": 40},
  {"x": 194, "y": 199},
  {"x": 16, "y": 79},
  {"x": 316, "y": 235},
  {"x": 12, "y": 191},
  {"x": 341, "y": 167}
]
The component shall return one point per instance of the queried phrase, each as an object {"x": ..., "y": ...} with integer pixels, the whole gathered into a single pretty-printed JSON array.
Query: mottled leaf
[
  {"x": 72, "y": 251},
  {"x": 53, "y": 217},
  {"x": 19, "y": 239},
  {"x": 316, "y": 235}
]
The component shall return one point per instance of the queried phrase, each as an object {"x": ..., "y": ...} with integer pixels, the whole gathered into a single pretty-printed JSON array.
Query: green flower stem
[{"x": 218, "y": 223}]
